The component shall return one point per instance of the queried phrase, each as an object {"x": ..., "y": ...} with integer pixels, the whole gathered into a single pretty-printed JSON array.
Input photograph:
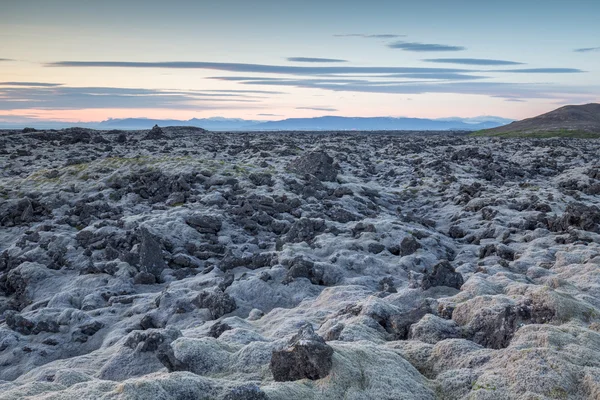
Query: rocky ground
[{"x": 181, "y": 264}]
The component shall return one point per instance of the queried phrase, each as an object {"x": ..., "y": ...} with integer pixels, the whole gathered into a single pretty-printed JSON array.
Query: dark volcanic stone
[
  {"x": 217, "y": 329},
  {"x": 155, "y": 133},
  {"x": 305, "y": 229},
  {"x": 409, "y": 245},
  {"x": 443, "y": 274},
  {"x": 306, "y": 357},
  {"x": 151, "y": 258},
  {"x": 204, "y": 223},
  {"x": 316, "y": 163},
  {"x": 217, "y": 302},
  {"x": 579, "y": 216}
]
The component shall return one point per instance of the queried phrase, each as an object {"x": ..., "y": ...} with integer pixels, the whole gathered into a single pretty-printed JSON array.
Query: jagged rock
[
  {"x": 316, "y": 163},
  {"x": 579, "y": 216},
  {"x": 218, "y": 328},
  {"x": 217, "y": 302},
  {"x": 151, "y": 257},
  {"x": 204, "y": 223},
  {"x": 307, "y": 356},
  {"x": 301, "y": 268},
  {"x": 156, "y": 133},
  {"x": 443, "y": 274},
  {"x": 408, "y": 246},
  {"x": 305, "y": 229}
]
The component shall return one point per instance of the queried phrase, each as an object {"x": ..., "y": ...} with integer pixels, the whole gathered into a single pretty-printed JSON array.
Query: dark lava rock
[
  {"x": 204, "y": 223},
  {"x": 22, "y": 211},
  {"x": 151, "y": 257},
  {"x": 301, "y": 268},
  {"x": 387, "y": 285},
  {"x": 307, "y": 356},
  {"x": 375, "y": 248},
  {"x": 145, "y": 341},
  {"x": 155, "y": 133},
  {"x": 144, "y": 278},
  {"x": 217, "y": 302},
  {"x": 408, "y": 246},
  {"x": 443, "y": 274},
  {"x": 316, "y": 163},
  {"x": 217, "y": 329},
  {"x": 399, "y": 324},
  {"x": 579, "y": 216},
  {"x": 456, "y": 232},
  {"x": 305, "y": 229},
  {"x": 121, "y": 138}
]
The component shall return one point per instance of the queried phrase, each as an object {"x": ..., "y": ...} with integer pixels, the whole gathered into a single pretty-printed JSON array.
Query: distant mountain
[
  {"x": 316, "y": 124},
  {"x": 211, "y": 124},
  {"x": 580, "y": 120},
  {"x": 219, "y": 124},
  {"x": 373, "y": 124}
]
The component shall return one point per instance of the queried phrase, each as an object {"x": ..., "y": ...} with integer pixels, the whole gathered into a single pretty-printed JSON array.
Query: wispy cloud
[
  {"x": 542, "y": 71},
  {"x": 376, "y": 36},
  {"x": 424, "y": 47},
  {"x": 269, "y": 115},
  {"x": 242, "y": 91},
  {"x": 30, "y": 84},
  {"x": 316, "y": 60},
  {"x": 472, "y": 61},
  {"x": 504, "y": 90},
  {"x": 587, "y": 49},
  {"x": 67, "y": 98},
  {"x": 256, "y": 68},
  {"x": 329, "y": 109},
  {"x": 6, "y": 59}
]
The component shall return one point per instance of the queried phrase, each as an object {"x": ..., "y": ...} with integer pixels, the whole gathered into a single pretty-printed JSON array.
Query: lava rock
[
  {"x": 443, "y": 274},
  {"x": 217, "y": 302},
  {"x": 307, "y": 356},
  {"x": 316, "y": 163},
  {"x": 151, "y": 257}
]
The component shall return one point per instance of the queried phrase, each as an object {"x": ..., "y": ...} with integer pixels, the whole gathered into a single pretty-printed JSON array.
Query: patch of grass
[
  {"x": 561, "y": 133},
  {"x": 558, "y": 393},
  {"x": 485, "y": 386}
]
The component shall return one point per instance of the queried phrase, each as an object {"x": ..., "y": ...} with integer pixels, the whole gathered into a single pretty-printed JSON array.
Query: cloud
[
  {"x": 329, "y": 109},
  {"x": 316, "y": 60},
  {"x": 471, "y": 61},
  {"x": 75, "y": 98},
  {"x": 377, "y": 36},
  {"x": 504, "y": 90},
  {"x": 243, "y": 91},
  {"x": 424, "y": 47},
  {"x": 542, "y": 71},
  {"x": 343, "y": 78},
  {"x": 270, "y": 115},
  {"x": 6, "y": 59},
  {"x": 587, "y": 49},
  {"x": 256, "y": 68},
  {"x": 30, "y": 84}
]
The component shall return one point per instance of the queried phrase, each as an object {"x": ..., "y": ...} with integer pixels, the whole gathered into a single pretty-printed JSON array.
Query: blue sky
[{"x": 89, "y": 60}]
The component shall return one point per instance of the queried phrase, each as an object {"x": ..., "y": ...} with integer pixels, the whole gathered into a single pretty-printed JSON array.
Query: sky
[{"x": 88, "y": 60}]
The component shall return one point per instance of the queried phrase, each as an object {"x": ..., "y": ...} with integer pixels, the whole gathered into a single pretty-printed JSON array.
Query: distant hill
[
  {"x": 580, "y": 121},
  {"x": 211, "y": 124},
  {"x": 314, "y": 124},
  {"x": 327, "y": 123},
  {"x": 375, "y": 124}
]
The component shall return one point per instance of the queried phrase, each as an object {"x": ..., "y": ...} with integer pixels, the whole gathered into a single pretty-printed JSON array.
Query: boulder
[{"x": 307, "y": 356}]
